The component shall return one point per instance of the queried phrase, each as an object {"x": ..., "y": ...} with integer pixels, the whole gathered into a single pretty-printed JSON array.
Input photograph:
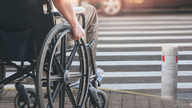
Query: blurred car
[{"x": 113, "y": 7}]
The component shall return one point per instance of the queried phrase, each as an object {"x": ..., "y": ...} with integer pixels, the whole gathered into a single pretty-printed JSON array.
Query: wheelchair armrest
[{"x": 77, "y": 10}]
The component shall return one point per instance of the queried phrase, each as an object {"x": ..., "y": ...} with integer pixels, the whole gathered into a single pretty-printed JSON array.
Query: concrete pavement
[{"x": 116, "y": 100}]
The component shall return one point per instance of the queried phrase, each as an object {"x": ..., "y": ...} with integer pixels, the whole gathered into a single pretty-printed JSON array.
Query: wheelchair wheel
[
  {"x": 59, "y": 69},
  {"x": 2, "y": 76},
  {"x": 19, "y": 102},
  {"x": 102, "y": 97}
]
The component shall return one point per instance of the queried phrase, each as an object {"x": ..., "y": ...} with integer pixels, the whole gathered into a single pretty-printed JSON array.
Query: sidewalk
[{"x": 115, "y": 100}]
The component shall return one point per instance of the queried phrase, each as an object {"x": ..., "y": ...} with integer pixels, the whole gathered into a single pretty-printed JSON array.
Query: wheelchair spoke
[
  {"x": 63, "y": 53},
  {"x": 70, "y": 59},
  {"x": 55, "y": 94},
  {"x": 77, "y": 76},
  {"x": 57, "y": 65},
  {"x": 53, "y": 78},
  {"x": 62, "y": 97},
  {"x": 56, "y": 91},
  {"x": 70, "y": 95}
]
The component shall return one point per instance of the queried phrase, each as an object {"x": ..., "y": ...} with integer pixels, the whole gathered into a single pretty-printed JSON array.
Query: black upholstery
[{"x": 23, "y": 27}]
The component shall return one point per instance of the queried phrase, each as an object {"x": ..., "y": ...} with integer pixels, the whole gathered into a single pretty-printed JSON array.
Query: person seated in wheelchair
[
  {"x": 91, "y": 23},
  {"x": 23, "y": 28}
]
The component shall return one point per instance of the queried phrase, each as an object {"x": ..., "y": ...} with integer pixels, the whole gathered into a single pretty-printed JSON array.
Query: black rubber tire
[
  {"x": 109, "y": 8},
  {"x": 18, "y": 100},
  {"x": 49, "y": 50},
  {"x": 2, "y": 76},
  {"x": 103, "y": 98}
]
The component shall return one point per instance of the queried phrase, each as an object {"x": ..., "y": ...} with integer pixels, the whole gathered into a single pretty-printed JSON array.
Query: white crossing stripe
[
  {"x": 19, "y": 63},
  {"x": 143, "y": 45},
  {"x": 139, "y": 86},
  {"x": 144, "y": 38},
  {"x": 145, "y": 27},
  {"x": 13, "y": 86},
  {"x": 148, "y": 18},
  {"x": 142, "y": 74},
  {"x": 144, "y": 32},
  {"x": 139, "y": 53},
  {"x": 9, "y": 74},
  {"x": 144, "y": 23}
]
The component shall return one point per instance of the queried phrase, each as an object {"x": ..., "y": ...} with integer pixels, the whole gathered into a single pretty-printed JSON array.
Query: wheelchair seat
[{"x": 23, "y": 27}]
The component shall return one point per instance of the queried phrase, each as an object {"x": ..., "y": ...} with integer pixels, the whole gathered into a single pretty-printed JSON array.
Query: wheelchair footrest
[{"x": 22, "y": 91}]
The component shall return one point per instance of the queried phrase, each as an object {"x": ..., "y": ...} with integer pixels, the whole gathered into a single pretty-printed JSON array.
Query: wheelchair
[{"x": 58, "y": 64}]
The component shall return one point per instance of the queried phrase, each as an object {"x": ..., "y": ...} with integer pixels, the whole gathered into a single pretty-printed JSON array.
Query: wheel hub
[{"x": 66, "y": 76}]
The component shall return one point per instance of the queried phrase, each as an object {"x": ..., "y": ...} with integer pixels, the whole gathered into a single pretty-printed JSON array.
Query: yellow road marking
[{"x": 136, "y": 93}]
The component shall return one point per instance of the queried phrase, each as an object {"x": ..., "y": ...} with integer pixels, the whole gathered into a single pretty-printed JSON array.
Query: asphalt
[{"x": 116, "y": 99}]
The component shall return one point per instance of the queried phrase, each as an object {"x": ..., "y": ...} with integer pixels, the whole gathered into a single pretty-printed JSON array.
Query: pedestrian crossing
[
  {"x": 129, "y": 50},
  {"x": 134, "y": 38}
]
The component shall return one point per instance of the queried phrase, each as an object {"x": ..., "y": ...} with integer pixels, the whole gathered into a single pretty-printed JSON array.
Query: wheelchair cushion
[{"x": 23, "y": 27}]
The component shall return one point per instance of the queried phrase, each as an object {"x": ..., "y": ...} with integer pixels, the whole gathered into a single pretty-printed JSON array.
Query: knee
[{"x": 90, "y": 9}]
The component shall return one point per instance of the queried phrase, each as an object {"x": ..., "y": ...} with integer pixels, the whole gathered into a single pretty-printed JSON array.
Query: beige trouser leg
[{"x": 91, "y": 25}]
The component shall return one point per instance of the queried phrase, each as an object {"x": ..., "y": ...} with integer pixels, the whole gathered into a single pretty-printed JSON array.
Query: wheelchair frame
[{"x": 24, "y": 72}]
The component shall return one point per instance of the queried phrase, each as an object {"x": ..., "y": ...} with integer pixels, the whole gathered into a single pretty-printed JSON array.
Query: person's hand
[{"x": 77, "y": 32}]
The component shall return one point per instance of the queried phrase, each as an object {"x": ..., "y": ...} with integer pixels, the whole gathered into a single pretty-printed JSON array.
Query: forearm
[{"x": 65, "y": 8}]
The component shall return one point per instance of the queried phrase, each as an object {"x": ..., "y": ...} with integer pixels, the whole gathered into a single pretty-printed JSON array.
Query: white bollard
[{"x": 169, "y": 72}]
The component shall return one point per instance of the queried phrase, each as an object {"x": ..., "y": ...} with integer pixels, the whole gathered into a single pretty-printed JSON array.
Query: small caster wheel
[
  {"x": 19, "y": 102},
  {"x": 102, "y": 97}
]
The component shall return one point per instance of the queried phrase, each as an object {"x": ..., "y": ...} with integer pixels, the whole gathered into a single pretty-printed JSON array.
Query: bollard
[{"x": 169, "y": 72}]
